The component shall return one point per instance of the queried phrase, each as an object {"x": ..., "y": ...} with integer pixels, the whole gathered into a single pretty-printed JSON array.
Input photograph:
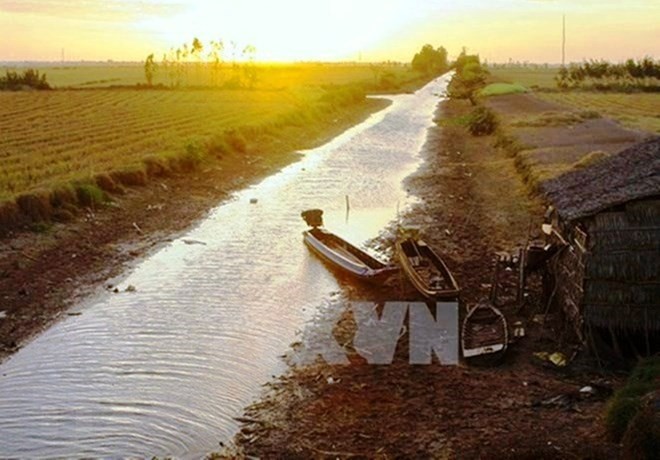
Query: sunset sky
[{"x": 523, "y": 30}]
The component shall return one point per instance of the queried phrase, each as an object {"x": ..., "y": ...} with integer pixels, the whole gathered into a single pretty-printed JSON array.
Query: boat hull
[
  {"x": 449, "y": 291},
  {"x": 347, "y": 258}
]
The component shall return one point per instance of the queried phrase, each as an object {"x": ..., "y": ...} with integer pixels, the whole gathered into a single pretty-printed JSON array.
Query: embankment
[
  {"x": 473, "y": 202},
  {"x": 121, "y": 215}
]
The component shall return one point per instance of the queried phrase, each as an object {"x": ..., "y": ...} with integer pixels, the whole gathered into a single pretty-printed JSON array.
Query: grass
[
  {"x": 639, "y": 111},
  {"x": 269, "y": 76},
  {"x": 538, "y": 77},
  {"x": 67, "y": 148},
  {"x": 500, "y": 89},
  {"x": 53, "y": 137}
]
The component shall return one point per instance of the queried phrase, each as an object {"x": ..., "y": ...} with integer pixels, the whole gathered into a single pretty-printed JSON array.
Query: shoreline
[
  {"x": 43, "y": 274},
  {"x": 473, "y": 202}
]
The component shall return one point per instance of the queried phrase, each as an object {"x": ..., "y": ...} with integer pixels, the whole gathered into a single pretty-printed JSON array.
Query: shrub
[
  {"x": 105, "y": 182},
  {"x": 30, "y": 78},
  {"x": 189, "y": 160},
  {"x": 156, "y": 166},
  {"x": 10, "y": 216},
  {"x": 63, "y": 215},
  {"x": 626, "y": 402},
  {"x": 508, "y": 142},
  {"x": 90, "y": 195},
  {"x": 482, "y": 121},
  {"x": 642, "y": 437},
  {"x": 236, "y": 140},
  {"x": 36, "y": 206},
  {"x": 388, "y": 81},
  {"x": 62, "y": 196},
  {"x": 130, "y": 177},
  {"x": 217, "y": 146}
]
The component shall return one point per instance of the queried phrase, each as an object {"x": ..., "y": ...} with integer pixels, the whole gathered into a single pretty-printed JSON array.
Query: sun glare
[{"x": 287, "y": 30}]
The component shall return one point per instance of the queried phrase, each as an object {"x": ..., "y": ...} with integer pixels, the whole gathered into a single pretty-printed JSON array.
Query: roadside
[
  {"x": 42, "y": 274},
  {"x": 473, "y": 203}
]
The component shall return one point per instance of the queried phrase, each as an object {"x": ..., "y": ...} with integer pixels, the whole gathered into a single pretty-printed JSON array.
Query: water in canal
[{"x": 162, "y": 370}]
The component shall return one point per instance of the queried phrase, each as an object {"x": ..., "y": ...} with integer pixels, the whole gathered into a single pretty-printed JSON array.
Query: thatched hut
[{"x": 606, "y": 221}]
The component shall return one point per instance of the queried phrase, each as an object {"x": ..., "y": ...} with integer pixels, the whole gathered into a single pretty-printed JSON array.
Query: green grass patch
[
  {"x": 501, "y": 89},
  {"x": 532, "y": 77},
  {"x": 90, "y": 195}
]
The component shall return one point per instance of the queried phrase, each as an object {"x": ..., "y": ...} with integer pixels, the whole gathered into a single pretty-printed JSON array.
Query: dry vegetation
[
  {"x": 268, "y": 76},
  {"x": 51, "y": 138},
  {"x": 634, "y": 110},
  {"x": 66, "y": 148}
]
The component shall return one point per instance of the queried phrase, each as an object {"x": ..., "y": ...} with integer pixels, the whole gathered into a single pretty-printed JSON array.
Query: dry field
[
  {"x": 640, "y": 111},
  {"x": 269, "y": 76},
  {"x": 52, "y": 137}
]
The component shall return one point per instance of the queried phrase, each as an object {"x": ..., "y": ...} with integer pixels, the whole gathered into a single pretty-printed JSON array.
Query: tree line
[
  {"x": 204, "y": 64},
  {"x": 642, "y": 74}
]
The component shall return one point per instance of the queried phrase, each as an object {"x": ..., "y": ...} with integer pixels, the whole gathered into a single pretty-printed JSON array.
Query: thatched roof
[{"x": 629, "y": 175}]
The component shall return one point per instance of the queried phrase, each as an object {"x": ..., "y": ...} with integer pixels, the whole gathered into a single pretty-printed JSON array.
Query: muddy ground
[
  {"x": 473, "y": 203},
  {"x": 44, "y": 273}
]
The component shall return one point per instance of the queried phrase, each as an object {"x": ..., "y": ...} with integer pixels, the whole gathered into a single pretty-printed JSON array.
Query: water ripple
[{"x": 162, "y": 370}]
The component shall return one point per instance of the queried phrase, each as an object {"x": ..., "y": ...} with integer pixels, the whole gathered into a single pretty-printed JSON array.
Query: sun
[{"x": 287, "y": 30}]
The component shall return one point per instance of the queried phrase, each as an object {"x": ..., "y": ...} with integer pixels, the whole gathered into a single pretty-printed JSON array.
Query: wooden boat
[
  {"x": 346, "y": 257},
  {"x": 426, "y": 270},
  {"x": 484, "y": 332}
]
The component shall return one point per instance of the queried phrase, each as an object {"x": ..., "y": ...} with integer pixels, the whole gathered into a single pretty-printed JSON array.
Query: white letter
[{"x": 428, "y": 335}]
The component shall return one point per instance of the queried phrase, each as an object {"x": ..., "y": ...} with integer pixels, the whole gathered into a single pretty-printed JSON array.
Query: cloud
[{"x": 96, "y": 10}]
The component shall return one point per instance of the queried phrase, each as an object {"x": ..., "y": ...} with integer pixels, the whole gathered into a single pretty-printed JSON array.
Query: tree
[
  {"x": 250, "y": 68},
  {"x": 150, "y": 69},
  {"x": 430, "y": 61},
  {"x": 469, "y": 78}
]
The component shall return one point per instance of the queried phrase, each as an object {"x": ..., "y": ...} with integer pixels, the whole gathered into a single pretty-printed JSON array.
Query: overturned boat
[
  {"x": 426, "y": 270},
  {"x": 341, "y": 254}
]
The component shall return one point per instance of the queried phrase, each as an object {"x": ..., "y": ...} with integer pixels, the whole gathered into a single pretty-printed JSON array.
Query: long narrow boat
[
  {"x": 426, "y": 270},
  {"x": 346, "y": 257}
]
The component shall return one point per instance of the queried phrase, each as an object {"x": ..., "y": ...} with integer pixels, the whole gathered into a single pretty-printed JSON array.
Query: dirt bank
[
  {"x": 473, "y": 202},
  {"x": 41, "y": 274}
]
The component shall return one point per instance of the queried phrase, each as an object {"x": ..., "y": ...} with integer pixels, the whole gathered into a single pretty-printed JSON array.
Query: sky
[{"x": 331, "y": 30}]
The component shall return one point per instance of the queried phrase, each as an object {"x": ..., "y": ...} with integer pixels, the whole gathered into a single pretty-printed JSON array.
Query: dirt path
[{"x": 473, "y": 203}]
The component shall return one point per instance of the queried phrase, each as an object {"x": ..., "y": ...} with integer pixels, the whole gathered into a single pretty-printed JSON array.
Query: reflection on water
[{"x": 162, "y": 370}]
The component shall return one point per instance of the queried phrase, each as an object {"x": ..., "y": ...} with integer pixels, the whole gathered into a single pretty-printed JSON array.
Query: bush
[
  {"x": 10, "y": 216},
  {"x": 90, "y": 195},
  {"x": 105, "y": 183},
  {"x": 626, "y": 402},
  {"x": 36, "y": 206},
  {"x": 156, "y": 166},
  {"x": 130, "y": 177},
  {"x": 62, "y": 196},
  {"x": 30, "y": 78},
  {"x": 482, "y": 121},
  {"x": 236, "y": 141}
]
